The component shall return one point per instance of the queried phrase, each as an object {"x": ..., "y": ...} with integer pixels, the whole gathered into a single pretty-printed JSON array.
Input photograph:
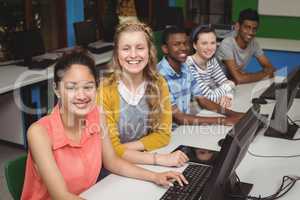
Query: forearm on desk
[{"x": 188, "y": 119}]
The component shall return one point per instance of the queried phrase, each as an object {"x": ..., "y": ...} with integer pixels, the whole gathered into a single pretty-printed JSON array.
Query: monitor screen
[
  {"x": 285, "y": 93},
  {"x": 85, "y": 32},
  {"x": 27, "y": 44},
  {"x": 223, "y": 181}
]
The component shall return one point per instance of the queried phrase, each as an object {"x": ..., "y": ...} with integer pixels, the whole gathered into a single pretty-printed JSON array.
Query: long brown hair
[{"x": 152, "y": 93}]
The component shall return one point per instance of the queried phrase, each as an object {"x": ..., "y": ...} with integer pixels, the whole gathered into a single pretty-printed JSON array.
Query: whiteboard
[{"x": 290, "y": 8}]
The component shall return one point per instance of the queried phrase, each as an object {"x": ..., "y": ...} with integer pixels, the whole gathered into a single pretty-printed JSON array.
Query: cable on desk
[
  {"x": 294, "y": 123},
  {"x": 287, "y": 184}
]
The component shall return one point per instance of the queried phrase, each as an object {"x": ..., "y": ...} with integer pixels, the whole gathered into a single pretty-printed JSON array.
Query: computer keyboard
[
  {"x": 41, "y": 64},
  {"x": 197, "y": 176},
  {"x": 269, "y": 92}
]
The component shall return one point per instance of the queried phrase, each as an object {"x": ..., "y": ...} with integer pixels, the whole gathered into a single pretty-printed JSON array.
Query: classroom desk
[
  {"x": 264, "y": 173},
  {"x": 13, "y": 79}
]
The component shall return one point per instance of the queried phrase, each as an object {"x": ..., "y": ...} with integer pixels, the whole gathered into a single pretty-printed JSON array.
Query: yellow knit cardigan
[{"x": 108, "y": 97}]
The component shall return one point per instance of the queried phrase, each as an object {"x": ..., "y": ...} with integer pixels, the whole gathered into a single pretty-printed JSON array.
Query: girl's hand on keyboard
[
  {"x": 177, "y": 158},
  {"x": 167, "y": 178}
]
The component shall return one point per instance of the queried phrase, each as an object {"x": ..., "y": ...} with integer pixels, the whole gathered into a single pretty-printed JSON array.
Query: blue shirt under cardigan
[{"x": 182, "y": 86}]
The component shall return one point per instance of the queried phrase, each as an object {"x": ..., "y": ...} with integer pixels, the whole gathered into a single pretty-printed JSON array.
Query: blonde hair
[{"x": 152, "y": 93}]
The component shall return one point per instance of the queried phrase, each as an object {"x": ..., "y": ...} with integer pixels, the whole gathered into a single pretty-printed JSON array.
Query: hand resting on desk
[
  {"x": 177, "y": 158},
  {"x": 232, "y": 119}
]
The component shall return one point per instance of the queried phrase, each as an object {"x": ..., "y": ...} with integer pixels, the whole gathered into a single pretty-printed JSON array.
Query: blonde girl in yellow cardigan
[{"x": 136, "y": 99}]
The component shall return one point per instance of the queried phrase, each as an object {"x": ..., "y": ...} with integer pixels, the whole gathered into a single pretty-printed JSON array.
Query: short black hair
[
  {"x": 206, "y": 28},
  {"x": 74, "y": 57},
  {"x": 248, "y": 14},
  {"x": 170, "y": 31}
]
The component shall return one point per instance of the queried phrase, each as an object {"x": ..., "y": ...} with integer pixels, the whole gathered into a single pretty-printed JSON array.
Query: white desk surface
[
  {"x": 279, "y": 44},
  {"x": 13, "y": 77},
  {"x": 264, "y": 173}
]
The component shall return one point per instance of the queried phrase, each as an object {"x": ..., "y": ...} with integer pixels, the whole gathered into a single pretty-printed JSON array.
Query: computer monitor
[
  {"x": 27, "y": 44},
  {"x": 223, "y": 30},
  {"x": 170, "y": 16},
  {"x": 285, "y": 93},
  {"x": 223, "y": 183},
  {"x": 269, "y": 93},
  {"x": 85, "y": 32}
]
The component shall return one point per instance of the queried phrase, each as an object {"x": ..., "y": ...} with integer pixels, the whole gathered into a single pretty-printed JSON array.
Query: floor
[{"x": 7, "y": 152}]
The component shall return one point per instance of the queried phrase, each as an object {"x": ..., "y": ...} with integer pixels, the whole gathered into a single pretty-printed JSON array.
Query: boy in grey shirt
[{"x": 236, "y": 50}]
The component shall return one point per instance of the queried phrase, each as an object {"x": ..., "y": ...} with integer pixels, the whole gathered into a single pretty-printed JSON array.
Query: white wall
[{"x": 289, "y": 8}]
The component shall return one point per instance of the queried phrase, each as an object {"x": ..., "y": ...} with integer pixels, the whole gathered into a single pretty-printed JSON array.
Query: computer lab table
[
  {"x": 265, "y": 173},
  {"x": 13, "y": 76},
  {"x": 13, "y": 80}
]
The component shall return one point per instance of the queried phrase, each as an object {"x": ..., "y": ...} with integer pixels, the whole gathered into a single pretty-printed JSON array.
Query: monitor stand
[
  {"x": 289, "y": 134},
  {"x": 237, "y": 190},
  {"x": 241, "y": 191}
]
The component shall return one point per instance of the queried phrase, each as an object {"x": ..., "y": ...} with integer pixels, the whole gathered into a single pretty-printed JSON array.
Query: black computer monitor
[
  {"x": 269, "y": 93},
  {"x": 223, "y": 183},
  {"x": 170, "y": 16},
  {"x": 26, "y": 44},
  {"x": 85, "y": 32},
  {"x": 285, "y": 92}
]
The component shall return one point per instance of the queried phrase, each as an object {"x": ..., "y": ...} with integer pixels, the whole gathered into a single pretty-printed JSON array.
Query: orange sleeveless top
[{"x": 79, "y": 164}]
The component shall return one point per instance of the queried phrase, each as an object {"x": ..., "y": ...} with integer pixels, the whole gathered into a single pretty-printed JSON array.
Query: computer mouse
[
  {"x": 220, "y": 142},
  {"x": 259, "y": 101}
]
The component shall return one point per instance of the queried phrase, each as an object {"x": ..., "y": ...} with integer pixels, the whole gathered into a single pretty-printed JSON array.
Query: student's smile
[
  {"x": 208, "y": 53},
  {"x": 82, "y": 104},
  {"x": 132, "y": 62},
  {"x": 182, "y": 56}
]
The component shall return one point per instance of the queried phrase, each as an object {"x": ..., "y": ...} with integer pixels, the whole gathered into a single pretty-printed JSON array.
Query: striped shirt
[{"x": 212, "y": 81}]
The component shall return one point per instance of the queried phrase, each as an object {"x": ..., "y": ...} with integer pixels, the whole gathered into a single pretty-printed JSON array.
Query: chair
[{"x": 14, "y": 175}]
